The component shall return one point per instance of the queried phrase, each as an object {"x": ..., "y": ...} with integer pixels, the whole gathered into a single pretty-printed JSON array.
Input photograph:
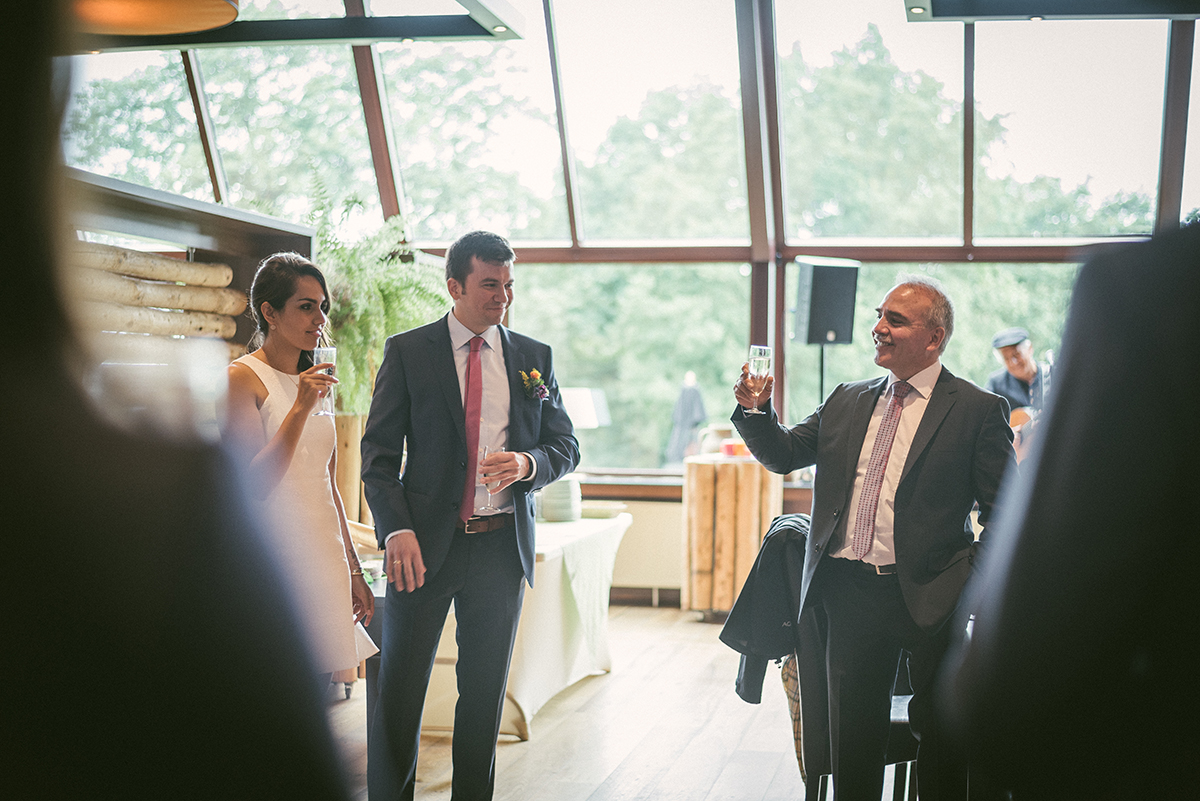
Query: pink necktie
[
  {"x": 472, "y": 411},
  {"x": 868, "y": 501}
]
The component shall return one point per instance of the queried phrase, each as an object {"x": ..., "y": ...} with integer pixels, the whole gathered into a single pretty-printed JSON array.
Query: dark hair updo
[{"x": 275, "y": 283}]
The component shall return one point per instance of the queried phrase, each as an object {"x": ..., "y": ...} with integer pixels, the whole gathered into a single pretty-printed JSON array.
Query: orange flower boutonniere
[{"x": 535, "y": 388}]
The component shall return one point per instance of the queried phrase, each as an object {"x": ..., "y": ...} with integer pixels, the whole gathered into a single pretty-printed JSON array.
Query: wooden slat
[
  {"x": 107, "y": 286},
  {"x": 749, "y": 523},
  {"x": 724, "y": 525},
  {"x": 148, "y": 265},
  {"x": 699, "y": 484},
  {"x": 349, "y": 463},
  {"x": 136, "y": 320}
]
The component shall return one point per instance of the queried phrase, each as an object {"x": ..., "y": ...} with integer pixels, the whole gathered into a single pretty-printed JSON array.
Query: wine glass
[
  {"x": 484, "y": 452},
  {"x": 760, "y": 368},
  {"x": 320, "y": 356}
]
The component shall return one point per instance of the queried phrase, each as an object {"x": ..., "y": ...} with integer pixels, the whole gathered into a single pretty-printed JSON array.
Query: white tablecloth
[{"x": 563, "y": 633}]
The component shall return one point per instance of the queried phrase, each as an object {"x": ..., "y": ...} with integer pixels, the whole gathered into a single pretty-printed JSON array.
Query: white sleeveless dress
[{"x": 304, "y": 526}]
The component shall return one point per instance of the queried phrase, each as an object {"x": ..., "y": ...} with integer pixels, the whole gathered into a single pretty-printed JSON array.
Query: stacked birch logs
[
  {"x": 126, "y": 291},
  {"x": 728, "y": 505}
]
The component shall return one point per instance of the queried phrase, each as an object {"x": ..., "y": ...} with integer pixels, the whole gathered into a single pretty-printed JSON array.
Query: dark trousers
[
  {"x": 868, "y": 626},
  {"x": 482, "y": 575}
]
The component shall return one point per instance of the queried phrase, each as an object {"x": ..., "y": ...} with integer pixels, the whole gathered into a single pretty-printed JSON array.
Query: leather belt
[
  {"x": 484, "y": 524},
  {"x": 867, "y": 567}
]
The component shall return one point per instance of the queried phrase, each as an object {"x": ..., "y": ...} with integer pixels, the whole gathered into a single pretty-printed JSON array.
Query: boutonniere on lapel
[{"x": 535, "y": 387}]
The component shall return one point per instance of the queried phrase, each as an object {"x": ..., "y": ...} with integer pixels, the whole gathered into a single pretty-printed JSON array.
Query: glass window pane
[
  {"x": 653, "y": 106},
  {"x": 1067, "y": 137},
  {"x": 635, "y": 331},
  {"x": 986, "y": 297},
  {"x": 289, "y": 9},
  {"x": 1189, "y": 209},
  {"x": 871, "y": 116},
  {"x": 289, "y": 125},
  {"x": 475, "y": 133},
  {"x": 132, "y": 118}
]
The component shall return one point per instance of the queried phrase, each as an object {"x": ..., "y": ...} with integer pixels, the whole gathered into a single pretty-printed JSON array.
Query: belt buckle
[{"x": 467, "y": 525}]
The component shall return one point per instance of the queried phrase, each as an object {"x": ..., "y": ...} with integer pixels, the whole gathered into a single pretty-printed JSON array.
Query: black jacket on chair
[{"x": 764, "y": 625}]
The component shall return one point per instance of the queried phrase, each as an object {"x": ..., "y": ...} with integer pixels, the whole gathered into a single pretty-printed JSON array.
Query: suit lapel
[
  {"x": 860, "y": 419},
  {"x": 514, "y": 362},
  {"x": 940, "y": 402},
  {"x": 445, "y": 372}
]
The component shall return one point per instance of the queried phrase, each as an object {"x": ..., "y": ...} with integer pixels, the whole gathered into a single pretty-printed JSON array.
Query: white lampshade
[{"x": 586, "y": 407}]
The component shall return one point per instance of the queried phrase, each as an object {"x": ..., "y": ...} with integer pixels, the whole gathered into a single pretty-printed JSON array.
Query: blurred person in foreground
[
  {"x": 901, "y": 461},
  {"x": 1079, "y": 680},
  {"x": 458, "y": 403},
  {"x": 274, "y": 392},
  {"x": 149, "y": 647}
]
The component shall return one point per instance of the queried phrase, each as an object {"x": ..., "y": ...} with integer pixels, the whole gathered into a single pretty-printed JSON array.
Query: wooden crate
[{"x": 728, "y": 505}]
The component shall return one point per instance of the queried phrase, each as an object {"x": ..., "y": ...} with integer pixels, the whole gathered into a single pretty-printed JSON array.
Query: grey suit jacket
[
  {"x": 417, "y": 424},
  {"x": 957, "y": 458}
]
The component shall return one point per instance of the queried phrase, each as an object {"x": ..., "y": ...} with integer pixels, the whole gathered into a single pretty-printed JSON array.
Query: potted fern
[{"x": 379, "y": 285}]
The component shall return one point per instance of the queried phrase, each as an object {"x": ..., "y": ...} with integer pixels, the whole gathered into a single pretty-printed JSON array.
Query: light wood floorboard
[{"x": 665, "y": 724}]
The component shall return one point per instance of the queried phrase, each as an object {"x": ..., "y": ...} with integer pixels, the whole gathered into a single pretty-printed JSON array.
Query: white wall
[{"x": 651, "y": 553}]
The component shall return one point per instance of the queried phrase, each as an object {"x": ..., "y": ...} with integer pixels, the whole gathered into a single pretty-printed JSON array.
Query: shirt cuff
[
  {"x": 532, "y": 467},
  {"x": 394, "y": 533}
]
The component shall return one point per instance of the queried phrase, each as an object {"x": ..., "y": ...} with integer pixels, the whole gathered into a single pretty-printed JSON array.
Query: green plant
[{"x": 379, "y": 286}]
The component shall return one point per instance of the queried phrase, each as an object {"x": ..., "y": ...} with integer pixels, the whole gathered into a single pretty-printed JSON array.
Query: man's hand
[
  {"x": 507, "y": 467},
  {"x": 743, "y": 390},
  {"x": 405, "y": 567}
]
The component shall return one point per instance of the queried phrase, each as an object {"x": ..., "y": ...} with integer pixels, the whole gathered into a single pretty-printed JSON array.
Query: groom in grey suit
[
  {"x": 901, "y": 460},
  {"x": 446, "y": 539}
]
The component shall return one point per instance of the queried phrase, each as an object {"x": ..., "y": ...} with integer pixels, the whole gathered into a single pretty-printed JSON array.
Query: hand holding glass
[
  {"x": 321, "y": 356},
  {"x": 760, "y": 369},
  {"x": 485, "y": 452}
]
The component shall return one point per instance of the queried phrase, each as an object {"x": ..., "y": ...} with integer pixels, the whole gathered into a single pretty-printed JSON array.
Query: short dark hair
[{"x": 484, "y": 245}]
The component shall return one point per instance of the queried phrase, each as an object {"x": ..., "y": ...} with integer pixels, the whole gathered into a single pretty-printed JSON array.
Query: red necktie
[
  {"x": 868, "y": 501},
  {"x": 472, "y": 411}
]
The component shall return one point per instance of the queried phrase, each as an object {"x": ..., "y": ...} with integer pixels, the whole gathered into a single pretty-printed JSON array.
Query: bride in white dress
[{"x": 291, "y": 453}]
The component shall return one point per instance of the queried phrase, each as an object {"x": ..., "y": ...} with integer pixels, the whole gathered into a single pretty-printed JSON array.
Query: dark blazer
[
  {"x": 418, "y": 406},
  {"x": 957, "y": 458},
  {"x": 1079, "y": 680}
]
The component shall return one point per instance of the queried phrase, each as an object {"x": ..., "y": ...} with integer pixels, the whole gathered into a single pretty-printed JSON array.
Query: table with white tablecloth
[{"x": 563, "y": 633}]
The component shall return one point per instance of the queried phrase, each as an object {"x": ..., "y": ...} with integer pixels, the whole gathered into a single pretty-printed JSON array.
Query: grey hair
[{"x": 941, "y": 309}]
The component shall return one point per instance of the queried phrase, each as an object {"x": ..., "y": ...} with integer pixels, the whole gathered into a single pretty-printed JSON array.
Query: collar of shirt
[
  {"x": 922, "y": 383},
  {"x": 460, "y": 335}
]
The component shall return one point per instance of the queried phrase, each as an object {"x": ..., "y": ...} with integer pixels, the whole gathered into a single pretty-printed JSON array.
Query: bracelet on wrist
[{"x": 356, "y": 572}]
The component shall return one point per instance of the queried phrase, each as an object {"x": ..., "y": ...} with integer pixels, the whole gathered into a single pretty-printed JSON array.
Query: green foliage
[
  {"x": 379, "y": 286},
  {"x": 634, "y": 331}
]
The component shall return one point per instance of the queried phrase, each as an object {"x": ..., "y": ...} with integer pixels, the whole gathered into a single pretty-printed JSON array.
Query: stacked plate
[{"x": 561, "y": 500}]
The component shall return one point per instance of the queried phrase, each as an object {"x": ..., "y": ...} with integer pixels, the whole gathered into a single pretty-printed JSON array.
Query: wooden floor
[{"x": 665, "y": 724}]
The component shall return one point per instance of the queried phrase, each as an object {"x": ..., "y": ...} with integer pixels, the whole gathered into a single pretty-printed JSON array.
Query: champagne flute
[
  {"x": 320, "y": 356},
  {"x": 484, "y": 452},
  {"x": 760, "y": 368}
]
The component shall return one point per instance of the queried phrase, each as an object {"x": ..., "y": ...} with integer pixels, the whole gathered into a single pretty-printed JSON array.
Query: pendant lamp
[{"x": 152, "y": 17}]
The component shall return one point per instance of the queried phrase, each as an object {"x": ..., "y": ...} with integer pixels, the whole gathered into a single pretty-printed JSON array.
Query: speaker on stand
[{"x": 825, "y": 304}]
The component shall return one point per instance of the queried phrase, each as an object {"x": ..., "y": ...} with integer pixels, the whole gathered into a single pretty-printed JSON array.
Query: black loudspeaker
[{"x": 825, "y": 304}]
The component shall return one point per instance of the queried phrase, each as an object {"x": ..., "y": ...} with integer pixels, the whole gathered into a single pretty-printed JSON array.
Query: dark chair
[{"x": 902, "y": 744}]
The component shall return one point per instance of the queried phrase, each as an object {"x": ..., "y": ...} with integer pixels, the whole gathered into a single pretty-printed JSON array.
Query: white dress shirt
[
  {"x": 883, "y": 548},
  {"x": 493, "y": 422}
]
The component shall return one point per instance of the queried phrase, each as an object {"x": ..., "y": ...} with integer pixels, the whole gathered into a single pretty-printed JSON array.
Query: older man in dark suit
[
  {"x": 459, "y": 402},
  {"x": 901, "y": 460}
]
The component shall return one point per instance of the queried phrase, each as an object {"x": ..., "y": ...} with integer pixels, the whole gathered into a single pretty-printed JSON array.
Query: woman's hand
[
  {"x": 314, "y": 385},
  {"x": 363, "y": 599}
]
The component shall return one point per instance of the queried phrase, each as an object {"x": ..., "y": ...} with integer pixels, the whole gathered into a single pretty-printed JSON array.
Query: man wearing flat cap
[{"x": 1022, "y": 381}]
